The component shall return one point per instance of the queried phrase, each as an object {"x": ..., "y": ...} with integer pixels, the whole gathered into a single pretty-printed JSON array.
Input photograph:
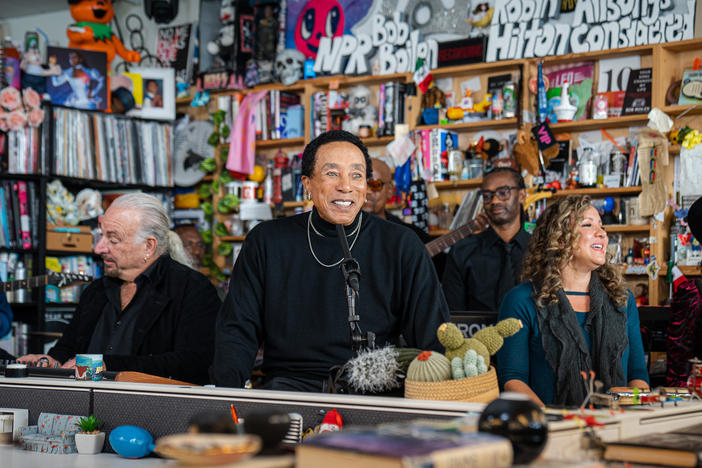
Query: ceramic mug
[
  {"x": 248, "y": 191},
  {"x": 89, "y": 367}
]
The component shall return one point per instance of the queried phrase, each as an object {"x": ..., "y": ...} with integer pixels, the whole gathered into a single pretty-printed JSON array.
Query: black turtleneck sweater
[{"x": 281, "y": 297}]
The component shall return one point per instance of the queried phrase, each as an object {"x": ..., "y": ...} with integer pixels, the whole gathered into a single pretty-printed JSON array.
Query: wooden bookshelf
[
  {"x": 626, "y": 227},
  {"x": 600, "y": 192}
]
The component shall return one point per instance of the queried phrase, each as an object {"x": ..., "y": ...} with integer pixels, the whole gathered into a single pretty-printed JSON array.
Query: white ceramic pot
[{"x": 89, "y": 444}]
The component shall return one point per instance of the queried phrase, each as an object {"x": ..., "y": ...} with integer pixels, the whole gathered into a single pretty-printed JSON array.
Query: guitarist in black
[
  {"x": 482, "y": 268},
  {"x": 151, "y": 312}
]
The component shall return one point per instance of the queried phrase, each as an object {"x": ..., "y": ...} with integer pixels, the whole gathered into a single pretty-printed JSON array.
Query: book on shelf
[
  {"x": 404, "y": 446},
  {"x": 637, "y": 99},
  {"x": 678, "y": 448},
  {"x": 19, "y": 213}
]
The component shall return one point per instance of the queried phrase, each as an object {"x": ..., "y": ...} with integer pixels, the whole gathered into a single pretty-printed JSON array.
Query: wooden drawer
[{"x": 69, "y": 241}]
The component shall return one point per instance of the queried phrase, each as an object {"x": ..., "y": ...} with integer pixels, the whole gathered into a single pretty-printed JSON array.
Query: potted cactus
[{"x": 89, "y": 439}]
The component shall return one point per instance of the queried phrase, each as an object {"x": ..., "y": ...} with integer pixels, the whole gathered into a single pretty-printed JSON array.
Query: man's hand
[
  {"x": 39, "y": 360},
  {"x": 481, "y": 223},
  {"x": 70, "y": 364}
]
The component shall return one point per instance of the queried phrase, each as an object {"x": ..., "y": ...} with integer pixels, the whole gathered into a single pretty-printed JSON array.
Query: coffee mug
[{"x": 89, "y": 367}]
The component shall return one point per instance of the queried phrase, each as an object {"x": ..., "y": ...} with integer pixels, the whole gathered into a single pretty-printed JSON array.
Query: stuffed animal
[
  {"x": 223, "y": 45},
  {"x": 486, "y": 342},
  {"x": 33, "y": 74},
  {"x": 92, "y": 30}
]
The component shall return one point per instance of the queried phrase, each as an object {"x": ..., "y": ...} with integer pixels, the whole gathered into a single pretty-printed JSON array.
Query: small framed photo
[{"x": 156, "y": 98}]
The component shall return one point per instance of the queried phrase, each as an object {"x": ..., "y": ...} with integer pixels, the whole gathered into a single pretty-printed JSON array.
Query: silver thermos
[{"x": 20, "y": 274}]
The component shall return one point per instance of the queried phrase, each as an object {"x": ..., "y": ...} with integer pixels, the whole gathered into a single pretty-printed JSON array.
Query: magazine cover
[{"x": 580, "y": 79}]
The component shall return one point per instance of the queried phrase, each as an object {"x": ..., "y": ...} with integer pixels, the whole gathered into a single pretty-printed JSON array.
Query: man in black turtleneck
[{"x": 287, "y": 291}]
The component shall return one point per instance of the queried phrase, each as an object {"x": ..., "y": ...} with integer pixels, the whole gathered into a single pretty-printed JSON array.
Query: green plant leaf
[
  {"x": 224, "y": 154},
  {"x": 222, "y": 207},
  {"x": 218, "y": 118},
  {"x": 207, "y": 260},
  {"x": 221, "y": 230},
  {"x": 203, "y": 191},
  {"x": 214, "y": 187},
  {"x": 231, "y": 200},
  {"x": 207, "y": 237},
  {"x": 208, "y": 165},
  {"x": 207, "y": 208},
  {"x": 225, "y": 249},
  {"x": 89, "y": 424},
  {"x": 213, "y": 139},
  {"x": 225, "y": 177},
  {"x": 221, "y": 276},
  {"x": 225, "y": 131}
]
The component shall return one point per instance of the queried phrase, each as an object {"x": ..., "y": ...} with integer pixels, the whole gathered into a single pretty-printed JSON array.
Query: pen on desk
[{"x": 234, "y": 416}]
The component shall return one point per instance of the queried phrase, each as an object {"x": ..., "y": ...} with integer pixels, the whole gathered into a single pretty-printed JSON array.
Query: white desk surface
[{"x": 15, "y": 457}]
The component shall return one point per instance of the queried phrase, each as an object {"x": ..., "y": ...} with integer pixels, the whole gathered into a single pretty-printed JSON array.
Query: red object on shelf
[{"x": 280, "y": 162}]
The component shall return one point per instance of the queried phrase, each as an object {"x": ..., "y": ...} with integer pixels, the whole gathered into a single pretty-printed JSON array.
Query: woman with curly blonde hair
[{"x": 577, "y": 314}]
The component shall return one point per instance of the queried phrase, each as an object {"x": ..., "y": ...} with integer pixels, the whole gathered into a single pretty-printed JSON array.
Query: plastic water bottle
[
  {"x": 268, "y": 183},
  {"x": 297, "y": 176}
]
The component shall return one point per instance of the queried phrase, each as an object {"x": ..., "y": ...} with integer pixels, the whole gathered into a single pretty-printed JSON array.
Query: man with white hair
[{"x": 151, "y": 312}]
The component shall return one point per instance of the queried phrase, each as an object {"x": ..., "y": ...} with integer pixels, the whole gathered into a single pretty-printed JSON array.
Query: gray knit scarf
[{"x": 566, "y": 349}]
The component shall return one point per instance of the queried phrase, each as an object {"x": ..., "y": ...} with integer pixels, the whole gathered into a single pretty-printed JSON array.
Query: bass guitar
[
  {"x": 60, "y": 280},
  {"x": 447, "y": 240}
]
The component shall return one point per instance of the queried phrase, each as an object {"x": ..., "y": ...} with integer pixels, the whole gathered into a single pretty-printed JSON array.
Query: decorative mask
[{"x": 318, "y": 18}]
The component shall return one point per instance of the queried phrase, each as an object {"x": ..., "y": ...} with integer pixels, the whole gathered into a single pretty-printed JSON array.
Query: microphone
[{"x": 349, "y": 266}]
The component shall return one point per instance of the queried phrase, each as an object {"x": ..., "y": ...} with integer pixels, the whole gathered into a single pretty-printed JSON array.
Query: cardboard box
[{"x": 69, "y": 238}]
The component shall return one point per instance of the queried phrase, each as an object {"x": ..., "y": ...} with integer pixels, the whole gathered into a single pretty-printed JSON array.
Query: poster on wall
[
  {"x": 538, "y": 28},
  {"x": 175, "y": 48},
  {"x": 82, "y": 82}
]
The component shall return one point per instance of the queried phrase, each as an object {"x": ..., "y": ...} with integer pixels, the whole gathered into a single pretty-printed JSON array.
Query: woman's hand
[
  {"x": 640, "y": 384},
  {"x": 518, "y": 386}
]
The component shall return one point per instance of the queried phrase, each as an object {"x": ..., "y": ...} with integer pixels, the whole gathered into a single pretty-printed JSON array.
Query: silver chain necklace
[{"x": 357, "y": 230}]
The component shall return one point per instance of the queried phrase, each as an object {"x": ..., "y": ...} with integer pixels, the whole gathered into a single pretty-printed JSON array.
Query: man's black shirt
[
  {"x": 115, "y": 328},
  {"x": 474, "y": 270}
]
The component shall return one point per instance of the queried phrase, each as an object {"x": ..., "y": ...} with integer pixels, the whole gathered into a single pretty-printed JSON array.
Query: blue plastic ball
[
  {"x": 609, "y": 204},
  {"x": 131, "y": 441}
]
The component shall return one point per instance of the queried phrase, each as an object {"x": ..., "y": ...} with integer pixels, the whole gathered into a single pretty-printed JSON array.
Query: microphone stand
[{"x": 352, "y": 278}]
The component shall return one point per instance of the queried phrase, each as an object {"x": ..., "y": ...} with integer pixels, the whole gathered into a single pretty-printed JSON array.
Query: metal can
[{"x": 510, "y": 101}]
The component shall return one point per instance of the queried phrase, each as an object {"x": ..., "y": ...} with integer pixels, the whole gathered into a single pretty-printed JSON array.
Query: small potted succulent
[{"x": 90, "y": 439}]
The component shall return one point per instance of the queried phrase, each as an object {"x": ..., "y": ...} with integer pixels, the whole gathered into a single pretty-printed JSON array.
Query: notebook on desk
[{"x": 679, "y": 448}]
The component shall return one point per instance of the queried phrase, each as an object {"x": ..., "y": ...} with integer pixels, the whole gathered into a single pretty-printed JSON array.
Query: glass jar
[
  {"x": 473, "y": 168},
  {"x": 588, "y": 168},
  {"x": 618, "y": 163}
]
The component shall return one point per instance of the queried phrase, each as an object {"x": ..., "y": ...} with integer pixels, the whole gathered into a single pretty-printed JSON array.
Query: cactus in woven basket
[
  {"x": 456, "y": 345},
  {"x": 485, "y": 343},
  {"x": 429, "y": 366},
  {"x": 457, "y": 371},
  {"x": 404, "y": 356},
  {"x": 493, "y": 337}
]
